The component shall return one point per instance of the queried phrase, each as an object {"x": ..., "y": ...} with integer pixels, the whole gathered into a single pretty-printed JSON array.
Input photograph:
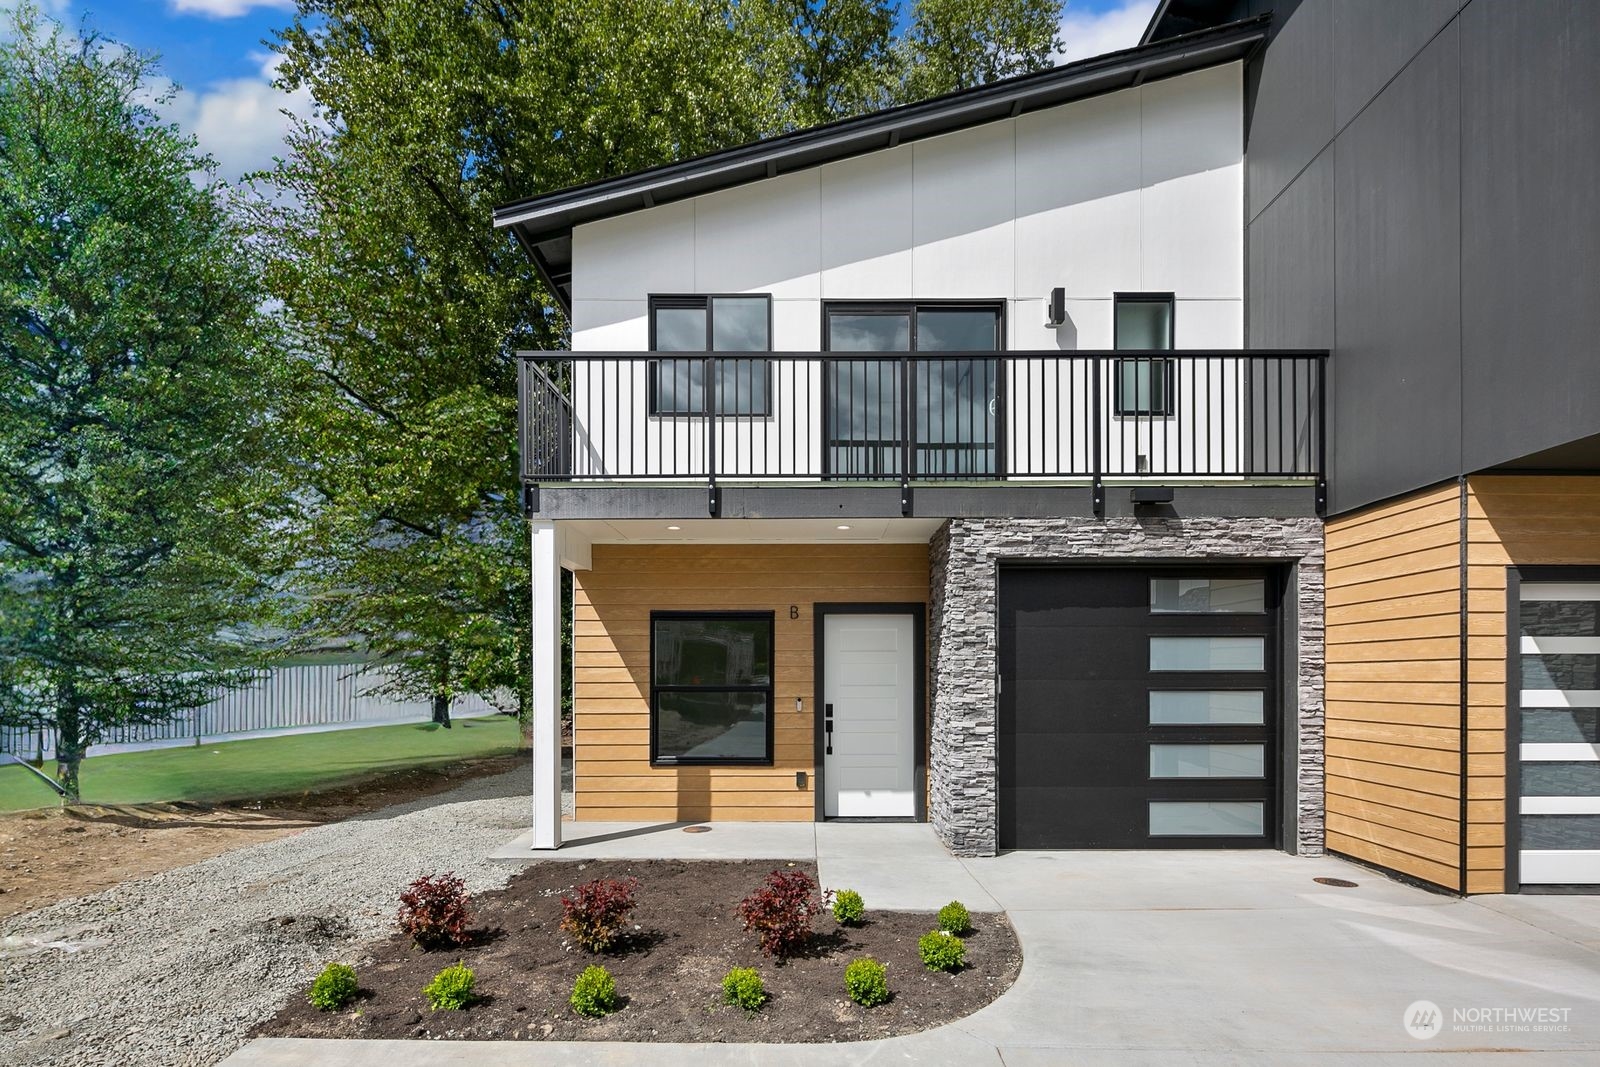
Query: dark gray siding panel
[
  {"x": 1466, "y": 232},
  {"x": 1291, "y": 265},
  {"x": 1397, "y": 403},
  {"x": 1530, "y": 226},
  {"x": 1293, "y": 115},
  {"x": 1372, "y": 40}
]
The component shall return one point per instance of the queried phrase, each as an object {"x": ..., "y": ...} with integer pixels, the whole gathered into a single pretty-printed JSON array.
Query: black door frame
[
  {"x": 1283, "y": 727},
  {"x": 919, "y": 703}
]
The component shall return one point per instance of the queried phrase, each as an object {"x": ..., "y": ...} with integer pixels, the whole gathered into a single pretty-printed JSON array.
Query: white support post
[{"x": 546, "y": 686}]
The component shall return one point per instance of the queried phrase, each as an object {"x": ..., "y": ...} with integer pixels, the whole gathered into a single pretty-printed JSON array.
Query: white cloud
[
  {"x": 240, "y": 121},
  {"x": 1096, "y": 33},
  {"x": 223, "y": 9}
]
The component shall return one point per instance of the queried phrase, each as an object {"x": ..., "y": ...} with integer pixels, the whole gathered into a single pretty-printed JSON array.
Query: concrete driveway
[{"x": 1154, "y": 958}]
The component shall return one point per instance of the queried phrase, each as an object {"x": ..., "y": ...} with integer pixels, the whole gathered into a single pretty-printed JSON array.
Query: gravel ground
[{"x": 174, "y": 969}]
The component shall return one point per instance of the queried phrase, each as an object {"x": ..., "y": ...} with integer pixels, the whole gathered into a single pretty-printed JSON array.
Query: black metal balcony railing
[{"x": 969, "y": 417}]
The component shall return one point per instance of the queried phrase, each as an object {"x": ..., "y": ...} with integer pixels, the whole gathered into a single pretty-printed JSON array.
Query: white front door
[
  {"x": 1559, "y": 817},
  {"x": 869, "y": 693}
]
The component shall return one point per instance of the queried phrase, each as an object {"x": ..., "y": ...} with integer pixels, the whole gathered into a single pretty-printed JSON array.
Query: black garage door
[{"x": 1138, "y": 708}]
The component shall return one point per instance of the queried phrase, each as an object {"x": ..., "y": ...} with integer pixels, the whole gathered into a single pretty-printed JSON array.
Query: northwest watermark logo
[{"x": 1423, "y": 1020}]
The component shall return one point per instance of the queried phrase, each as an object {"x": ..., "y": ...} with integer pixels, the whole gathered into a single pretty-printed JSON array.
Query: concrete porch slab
[{"x": 583, "y": 841}]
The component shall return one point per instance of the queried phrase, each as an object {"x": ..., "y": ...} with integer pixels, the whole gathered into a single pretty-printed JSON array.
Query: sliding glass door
[{"x": 946, "y": 406}]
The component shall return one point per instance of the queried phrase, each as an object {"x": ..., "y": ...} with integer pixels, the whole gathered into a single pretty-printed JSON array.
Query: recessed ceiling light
[
  {"x": 841, "y": 527},
  {"x": 674, "y": 527}
]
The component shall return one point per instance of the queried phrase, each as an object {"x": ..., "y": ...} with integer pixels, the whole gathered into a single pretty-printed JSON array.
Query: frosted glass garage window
[
  {"x": 1229, "y": 596},
  {"x": 1202, "y": 707},
  {"x": 1207, "y": 818},
  {"x": 1207, "y": 653},
  {"x": 1207, "y": 761}
]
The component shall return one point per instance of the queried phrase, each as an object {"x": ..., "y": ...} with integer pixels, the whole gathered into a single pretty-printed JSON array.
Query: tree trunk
[
  {"x": 525, "y": 717},
  {"x": 69, "y": 747},
  {"x": 441, "y": 709}
]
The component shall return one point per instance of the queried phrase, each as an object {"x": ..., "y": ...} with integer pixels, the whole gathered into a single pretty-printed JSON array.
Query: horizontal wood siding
[
  {"x": 612, "y": 776},
  {"x": 1511, "y": 521},
  {"x": 1394, "y": 685}
]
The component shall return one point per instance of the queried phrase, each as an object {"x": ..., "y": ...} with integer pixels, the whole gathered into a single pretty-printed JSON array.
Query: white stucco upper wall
[{"x": 1139, "y": 190}]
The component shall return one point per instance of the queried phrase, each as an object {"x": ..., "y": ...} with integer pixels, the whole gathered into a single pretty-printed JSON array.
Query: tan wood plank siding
[
  {"x": 1511, "y": 521},
  {"x": 1394, "y": 685},
  {"x": 612, "y": 776}
]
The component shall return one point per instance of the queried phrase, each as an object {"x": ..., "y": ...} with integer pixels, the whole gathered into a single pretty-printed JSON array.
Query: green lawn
[{"x": 267, "y": 766}]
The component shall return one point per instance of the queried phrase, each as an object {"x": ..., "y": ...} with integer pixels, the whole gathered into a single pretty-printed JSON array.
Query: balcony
[{"x": 892, "y": 420}]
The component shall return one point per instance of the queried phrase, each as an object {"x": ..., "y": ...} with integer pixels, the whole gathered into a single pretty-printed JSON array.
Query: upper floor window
[
  {"x": 913, "y": 328},
  {"x": 710, "y": 324},
  {"x": 944, "y": 422},
  {"x": 1144, "y": 321}
]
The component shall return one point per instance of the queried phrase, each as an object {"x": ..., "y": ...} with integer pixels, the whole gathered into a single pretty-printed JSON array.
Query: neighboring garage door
[
  {"x": 1138, "y": 708},
  {"x": 1557, "y": 828}
]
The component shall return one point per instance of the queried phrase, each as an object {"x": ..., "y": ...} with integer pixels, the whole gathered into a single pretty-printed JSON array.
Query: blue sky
[{"x": 214, "y": 50}]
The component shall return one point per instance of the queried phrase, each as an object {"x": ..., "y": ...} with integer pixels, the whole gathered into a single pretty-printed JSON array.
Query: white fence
[{"x": 300, "y": 698}]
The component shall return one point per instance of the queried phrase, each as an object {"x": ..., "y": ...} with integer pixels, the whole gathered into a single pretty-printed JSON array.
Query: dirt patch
[
  {"x": 670, "y": 974},
  {"x": 54, "y": 854}
]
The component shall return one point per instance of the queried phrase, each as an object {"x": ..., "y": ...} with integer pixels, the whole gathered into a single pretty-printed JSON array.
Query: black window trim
[
  {"x": 702, "y": 301},
  {"x": 1169, "y": 371},
  {"x": 656, "y": 759}
]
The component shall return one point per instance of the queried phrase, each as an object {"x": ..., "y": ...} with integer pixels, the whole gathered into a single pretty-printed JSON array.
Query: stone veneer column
[{"x": 963, "y": 558}]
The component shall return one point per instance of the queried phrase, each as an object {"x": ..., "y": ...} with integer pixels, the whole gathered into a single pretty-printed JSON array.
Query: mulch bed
[{"x": 669, "y": 975}]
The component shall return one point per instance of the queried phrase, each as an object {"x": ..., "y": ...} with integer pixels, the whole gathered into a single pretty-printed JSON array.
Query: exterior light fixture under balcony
[{"x": 841, "y": 527}]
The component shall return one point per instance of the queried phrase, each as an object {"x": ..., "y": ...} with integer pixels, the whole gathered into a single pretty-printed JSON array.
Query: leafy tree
[
  {"x": 830, "y": 60},
  {"x": 403, "y": 308},
  {"x": 957, "y": 44},
  {"x": 129, "y": 407}
]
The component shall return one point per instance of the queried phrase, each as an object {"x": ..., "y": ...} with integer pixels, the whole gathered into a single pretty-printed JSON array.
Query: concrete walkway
[{"x": 1145, "y": 958}]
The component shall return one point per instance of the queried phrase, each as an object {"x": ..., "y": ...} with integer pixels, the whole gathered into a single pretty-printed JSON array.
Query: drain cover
[
  {"x": 697, "y": 829},
  {"x": 1342, "y": 883}
]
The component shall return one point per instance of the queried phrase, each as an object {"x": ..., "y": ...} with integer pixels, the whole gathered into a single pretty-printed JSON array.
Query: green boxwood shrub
[
  {"x": 848, "y": 909},
  {"x": 867, "y": 982},
  {"x": 942, "y": 951},
  {"x": 742, "y": 987},
  {"x": 451, "y": 988},
  {"x": 334, "y": 987},
  {"x": 595, "y": 992},
  {"x": 954, "y": 919}
]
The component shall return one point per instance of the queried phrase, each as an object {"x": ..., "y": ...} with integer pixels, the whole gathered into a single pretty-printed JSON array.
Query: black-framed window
[
  {"x": 1144, "y": 321},
  {"x": 711, "y": 687},
  {"x": 954, "y": 404},
  {"x": 737, "y": 322}
]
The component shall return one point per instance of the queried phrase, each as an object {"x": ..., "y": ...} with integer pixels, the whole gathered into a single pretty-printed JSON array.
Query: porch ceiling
[{"x": 753, "y": 531}]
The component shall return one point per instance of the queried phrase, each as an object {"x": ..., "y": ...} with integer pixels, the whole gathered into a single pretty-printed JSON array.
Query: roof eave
[{"x": 537, "y": 221}]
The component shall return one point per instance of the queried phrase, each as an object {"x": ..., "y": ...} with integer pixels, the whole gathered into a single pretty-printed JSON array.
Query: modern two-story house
[
  {"x": 969, "y": 461},
  {"x": 911, "y": 467}
]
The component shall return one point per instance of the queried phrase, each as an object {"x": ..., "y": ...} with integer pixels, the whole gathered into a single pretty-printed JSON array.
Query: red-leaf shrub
[
  {"x": 433, "y": 910},
  {"x": 780, "y": 912},
  {"x": 597, "y": 912}
]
